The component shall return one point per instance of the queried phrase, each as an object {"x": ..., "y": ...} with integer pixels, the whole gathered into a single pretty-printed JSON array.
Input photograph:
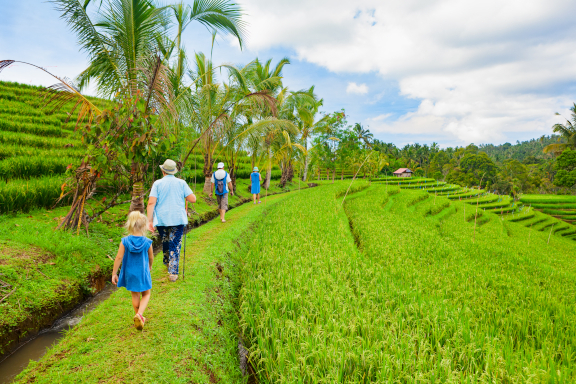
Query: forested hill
[{"x": 527, "y": 152}]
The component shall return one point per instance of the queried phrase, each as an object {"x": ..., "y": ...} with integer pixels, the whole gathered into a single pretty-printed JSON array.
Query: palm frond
[
  {"x": 104, "y": 62},
  {"x": 221, "y": 15},
  {"x": 555, "y": 148},
  {"x": 61, "y": 93}
]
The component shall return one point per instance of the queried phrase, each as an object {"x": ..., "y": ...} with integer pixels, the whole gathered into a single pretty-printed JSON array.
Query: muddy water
[{"x": 35, "y": 348}]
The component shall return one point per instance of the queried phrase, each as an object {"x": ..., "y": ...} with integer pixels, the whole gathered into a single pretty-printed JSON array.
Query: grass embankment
[
  {"x": 419, "y": 300},
  {"x": 561, "y": 207},
  {"x": 191, "y": 333},
  {"x": 52, "y": 271}
]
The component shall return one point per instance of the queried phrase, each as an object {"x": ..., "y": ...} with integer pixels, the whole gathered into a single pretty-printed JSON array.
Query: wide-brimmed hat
[
  {"x": 255, "y": 169},
  {"x": 169, "y": 167},
  {"x": 220, "y": 165}
]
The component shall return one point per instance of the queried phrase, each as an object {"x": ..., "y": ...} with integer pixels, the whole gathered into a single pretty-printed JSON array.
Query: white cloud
[
  {"x": 479, "y": 70},
  {"x": 358, "y": 89},
  {"x": 381, "y": 117}
]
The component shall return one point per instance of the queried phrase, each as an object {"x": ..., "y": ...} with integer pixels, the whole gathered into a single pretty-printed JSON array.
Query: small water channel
[{"x": 36, "y": 347}]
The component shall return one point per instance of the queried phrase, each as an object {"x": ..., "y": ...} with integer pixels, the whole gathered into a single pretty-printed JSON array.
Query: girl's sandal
[
  {"x": 173, "y": 278},
  {"x": 139, "y": 321}
]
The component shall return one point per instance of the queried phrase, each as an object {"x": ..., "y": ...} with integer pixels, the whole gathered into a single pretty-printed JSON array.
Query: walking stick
[
  {"x": 184, "y": 257},
  {"x": 184, "y": 266}
]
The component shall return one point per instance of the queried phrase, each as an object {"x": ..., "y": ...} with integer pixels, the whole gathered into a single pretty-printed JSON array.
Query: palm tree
[
  {"x": 363, "y": 134},
  {"x": 128, "y": 30},
  {"x": 567, "y": 132},
  {"x": 121, "y": 50}
]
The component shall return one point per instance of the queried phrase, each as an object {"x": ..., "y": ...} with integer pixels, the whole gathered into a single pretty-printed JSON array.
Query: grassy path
[{"x": 191, "y": 334}]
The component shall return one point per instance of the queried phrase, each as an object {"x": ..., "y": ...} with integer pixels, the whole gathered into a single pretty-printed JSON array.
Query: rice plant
[{"x": 24, "y": 195}]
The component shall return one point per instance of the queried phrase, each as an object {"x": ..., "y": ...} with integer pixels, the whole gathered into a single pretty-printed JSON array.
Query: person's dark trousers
[{"x": 171, "y": 244}]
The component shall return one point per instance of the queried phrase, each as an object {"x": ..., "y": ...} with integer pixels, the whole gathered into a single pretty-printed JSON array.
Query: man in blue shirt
[{"x": 167, "y": 213}]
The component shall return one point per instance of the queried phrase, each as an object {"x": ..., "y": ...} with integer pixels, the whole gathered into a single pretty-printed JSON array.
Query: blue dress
[
  {"x": 255, "y": 178},
  {"x": 135, "y": 272}
]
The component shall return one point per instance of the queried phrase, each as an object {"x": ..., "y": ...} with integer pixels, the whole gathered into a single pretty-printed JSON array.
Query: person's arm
[
  {"x": 150, "y": 209},
  {"x": 150, "y": 257},
  {"x": 212, "y": 186},
  {"x": 260, "y": 176},
  {"x": 230, "y": 186},
  {"x": 117, "y": 262},
  {"x": 191, "y": 198}
]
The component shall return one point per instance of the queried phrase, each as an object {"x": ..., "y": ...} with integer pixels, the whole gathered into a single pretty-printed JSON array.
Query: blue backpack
[{"x": 221, "y": 184}]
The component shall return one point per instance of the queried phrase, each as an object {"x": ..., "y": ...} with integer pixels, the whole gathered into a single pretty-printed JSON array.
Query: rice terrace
[{"x": 212, "y": 191}]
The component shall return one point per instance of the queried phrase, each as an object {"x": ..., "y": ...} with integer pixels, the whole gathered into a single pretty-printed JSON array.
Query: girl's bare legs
[
  {"x": 138, "y": 303},
  {"x": 254, "y": 198},
  {"x": 144, "y": 302}
]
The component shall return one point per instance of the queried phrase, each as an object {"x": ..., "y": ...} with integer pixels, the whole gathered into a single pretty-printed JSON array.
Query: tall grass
[
  {"x": 11, "y": 150},
  {"x": 24, "y": 195},
  {"x": 410, "y": 297},
  {"x": 541, "y": 199},
  {"x": 25, "y": 167},
  {"x": 37, "y": 129},
  {"x": 29, "y": 140}
]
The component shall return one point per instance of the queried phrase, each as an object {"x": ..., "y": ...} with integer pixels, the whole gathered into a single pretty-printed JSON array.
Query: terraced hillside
[
  {"x": 545, "y": 213},
  {"x": 35, "y": 148}
]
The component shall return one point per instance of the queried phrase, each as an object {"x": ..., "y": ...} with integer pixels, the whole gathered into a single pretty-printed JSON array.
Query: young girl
[{"x": 136, "y": 256}]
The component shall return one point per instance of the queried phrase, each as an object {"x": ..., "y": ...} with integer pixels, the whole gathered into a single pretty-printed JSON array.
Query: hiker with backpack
[
  {"x": 222, "y": 185},
  {"x": 167, "y": 213},
  {"x": 255, "y": 178}
]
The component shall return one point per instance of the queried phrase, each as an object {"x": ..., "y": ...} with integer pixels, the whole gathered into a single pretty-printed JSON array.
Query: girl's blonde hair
[{"x": 137, "y": 222}]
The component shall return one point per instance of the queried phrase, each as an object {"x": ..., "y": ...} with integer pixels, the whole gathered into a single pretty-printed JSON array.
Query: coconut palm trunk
[
  {"x": 208, "y": 163},
  {"x": 137, "y": 200},
  {"x": 290, "y": 171},
  {"x": 305, "y": 173},
  {"x": 268, "y": 178}
]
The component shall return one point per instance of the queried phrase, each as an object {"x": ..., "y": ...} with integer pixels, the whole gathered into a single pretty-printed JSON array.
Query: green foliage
[
  {"x": 16, "y": 138},
  {"x": 473, "y": 168},
  {"x": 304, "y": 293},
  {"x": 25, "y": 167},
  {"x": 527, "y": 199},
  {"x": 417, "y": 278},
  {"x": 41, "y": 130},
  {"x": 566, "y": 165},
  {"x": 24, "y": 195}
]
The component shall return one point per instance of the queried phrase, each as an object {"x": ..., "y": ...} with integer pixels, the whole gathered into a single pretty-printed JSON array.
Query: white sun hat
[
  {"x": 220, "y": 165},
  {"x": 169, "y": 167},
  {"x": 255, "y": 169}
]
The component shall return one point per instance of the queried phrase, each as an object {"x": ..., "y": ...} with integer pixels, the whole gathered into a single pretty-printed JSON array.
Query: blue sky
[{"x": 449, "y": 71}]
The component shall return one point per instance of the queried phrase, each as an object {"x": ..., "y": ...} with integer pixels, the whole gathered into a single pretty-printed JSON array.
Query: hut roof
[{"x": 402, "y": 170}]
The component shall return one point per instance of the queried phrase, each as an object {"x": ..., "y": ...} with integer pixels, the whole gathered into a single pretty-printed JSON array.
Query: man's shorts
[{"x": 222, "y": 201}]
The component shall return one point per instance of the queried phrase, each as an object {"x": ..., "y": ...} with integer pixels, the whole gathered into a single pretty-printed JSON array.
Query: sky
[{"x": 452, "y": 72}]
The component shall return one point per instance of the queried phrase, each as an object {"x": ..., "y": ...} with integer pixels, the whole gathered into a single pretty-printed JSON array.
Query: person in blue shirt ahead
[
  {"x": 255, "y": 178},
  {"x": 167, "y": 213}
]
